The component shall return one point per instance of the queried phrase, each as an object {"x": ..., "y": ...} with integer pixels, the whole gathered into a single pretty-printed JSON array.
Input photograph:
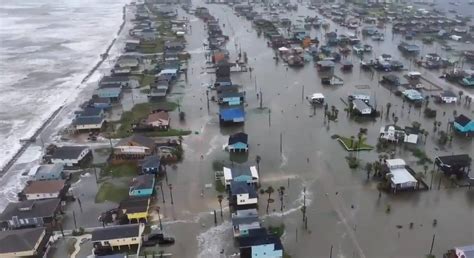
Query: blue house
[
  {"x": 266, "y": 246},
  {"x": 232, "y": 115},
  {"x": 231, "y": 98},
  {"x": 142, "y": 186},
  {"x": 238, "y": 143},
  {"x": 243, "y": 221},
  {"x": 114, "y": 94},
  {"x": 150, "y": 165},
  {"x": 464, "y": 125},
  {"x": 47, "y": 172},
  {"x": 98, "y": 102}
]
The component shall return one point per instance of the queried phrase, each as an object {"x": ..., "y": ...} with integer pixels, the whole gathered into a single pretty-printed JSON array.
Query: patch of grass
[
  {"x": 70, "y": 245},
  {"x": 147, "y": 80},
  {"x": 220, "y": 187},
  {"x": 217, "y": 165},
  {"x": 120, "y": 170},
  {"x": 111, "y": 192},
  {"x": 139, "y": 112},
  {"x": 354, "y": 145},
  {"x": 169, "y": 133},
  {"x": 421, "y": 155},
  {"x": 278, "y": 230}
]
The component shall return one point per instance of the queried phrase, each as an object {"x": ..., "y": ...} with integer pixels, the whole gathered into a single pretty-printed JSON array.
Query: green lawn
[
  {"x": 147, "y": 80},
  {"x": 139, "y": 112},
  {"x": 121, "y": 170},
  {"x": 169, "y": 133},
  {"x": 346, "y": 143},
  {"x": 111, "y": 192}
]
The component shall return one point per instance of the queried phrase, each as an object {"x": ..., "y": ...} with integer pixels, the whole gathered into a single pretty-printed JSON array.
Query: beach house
[
  {"x": 464, "y": 125},
  {"x": 30, "y": 213},
  {"x": 117, "y": 237},
  {"x": 142, "y": 186},
  {"x": 134, "y": 147},
  {"x": 28, "y": 242}
]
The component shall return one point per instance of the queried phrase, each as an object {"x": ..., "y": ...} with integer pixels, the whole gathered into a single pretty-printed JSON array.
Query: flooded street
[
  {"x": 347, "y": 215},
  {"x": 344, "y": 208}
]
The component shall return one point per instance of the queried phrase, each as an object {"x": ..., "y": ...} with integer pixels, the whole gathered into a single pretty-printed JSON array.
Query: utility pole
[
  {"x": 269, "y": 117},
  {"x": 302, "y": 94},
  {"x": 261, "y": 98},
  {"x": 281, "y": 144},
  {"x": 171, "y": 193},
  {"x": 159, "y": 217},
  {"x": 74, "y": 218},
  {"x": 330, "y": 253},
  {"x": 432, "y": 244},
  {"x": 215, "y": 218}
]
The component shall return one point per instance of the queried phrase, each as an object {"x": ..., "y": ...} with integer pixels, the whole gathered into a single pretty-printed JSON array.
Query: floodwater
[{"x": 344, "y": 210}]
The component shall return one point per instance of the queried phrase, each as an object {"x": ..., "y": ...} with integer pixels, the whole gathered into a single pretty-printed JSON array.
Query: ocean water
[{"x": 46, "y": 48}]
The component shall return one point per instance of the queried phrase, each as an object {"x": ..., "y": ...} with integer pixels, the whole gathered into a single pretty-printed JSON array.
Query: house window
[
  {"x": 22, "y": 221},
  {"x": 134, "y": 239}
]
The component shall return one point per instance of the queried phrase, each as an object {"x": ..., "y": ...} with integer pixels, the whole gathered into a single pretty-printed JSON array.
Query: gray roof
[
  {"x": 30, "y": 209},
  {"x": 90, "y": 111},
  {"x": 49, "y": 171},
  {"x": 68, "y": 152},
  {"x": 116, "y": 232},
  {"x": 140, "y": 139},
  {"x": 88, "y": 120},
  {"x": 19, "y": 240}
]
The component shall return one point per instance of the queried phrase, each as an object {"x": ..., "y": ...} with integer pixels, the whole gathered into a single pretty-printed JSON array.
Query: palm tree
[
  {"x": 359, "y": 139},
  {"x": 389, "y": 105},
  {"x": 425, "y": 132},
  {"x": 219, "y": 199},
  {"x": 257, "y": 160},
  {"x": 425, "y": 168},
  {"x": 419, "y": 176},
  {"x": 368, "y": 168},
  {"x": 395, "y": 119},
  {"x": 460, "y": 94},
  {"x": 281, "y": 192},
  {"x": 269, "y": 191}
]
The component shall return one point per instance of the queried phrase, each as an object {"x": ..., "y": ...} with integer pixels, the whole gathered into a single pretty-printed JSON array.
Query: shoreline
[{"x": 27, "y": 142}]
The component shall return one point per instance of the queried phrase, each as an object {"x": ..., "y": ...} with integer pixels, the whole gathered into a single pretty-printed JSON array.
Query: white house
[
  {"x": 38, "y": 190},
  {"x": 396, "y": 134},
  {"x": 88, "y": 123},
  {"x": 135, "y": 146},
  {"x": 118, "y": 236},
  {"x": 159, "y": 120},
  {"x": 70, "y": 155},
  {"x": 401, "y": 179},
  {"x": 241, "y": 174},
  {"x": 361, "y": 107},
  {"x": 448, "y": 96}
]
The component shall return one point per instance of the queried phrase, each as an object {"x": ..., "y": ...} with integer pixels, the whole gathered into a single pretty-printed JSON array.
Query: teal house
[
  {"x": 142, "y": 186},
  {"x": 464, "y": 125}
]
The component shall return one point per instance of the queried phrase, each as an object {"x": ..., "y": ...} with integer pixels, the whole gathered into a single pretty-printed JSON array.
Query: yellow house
[
  {"x": 118, "y": 237},
  {"x": 136, "y": 209},
  {"x": 29, "y": 242}
]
